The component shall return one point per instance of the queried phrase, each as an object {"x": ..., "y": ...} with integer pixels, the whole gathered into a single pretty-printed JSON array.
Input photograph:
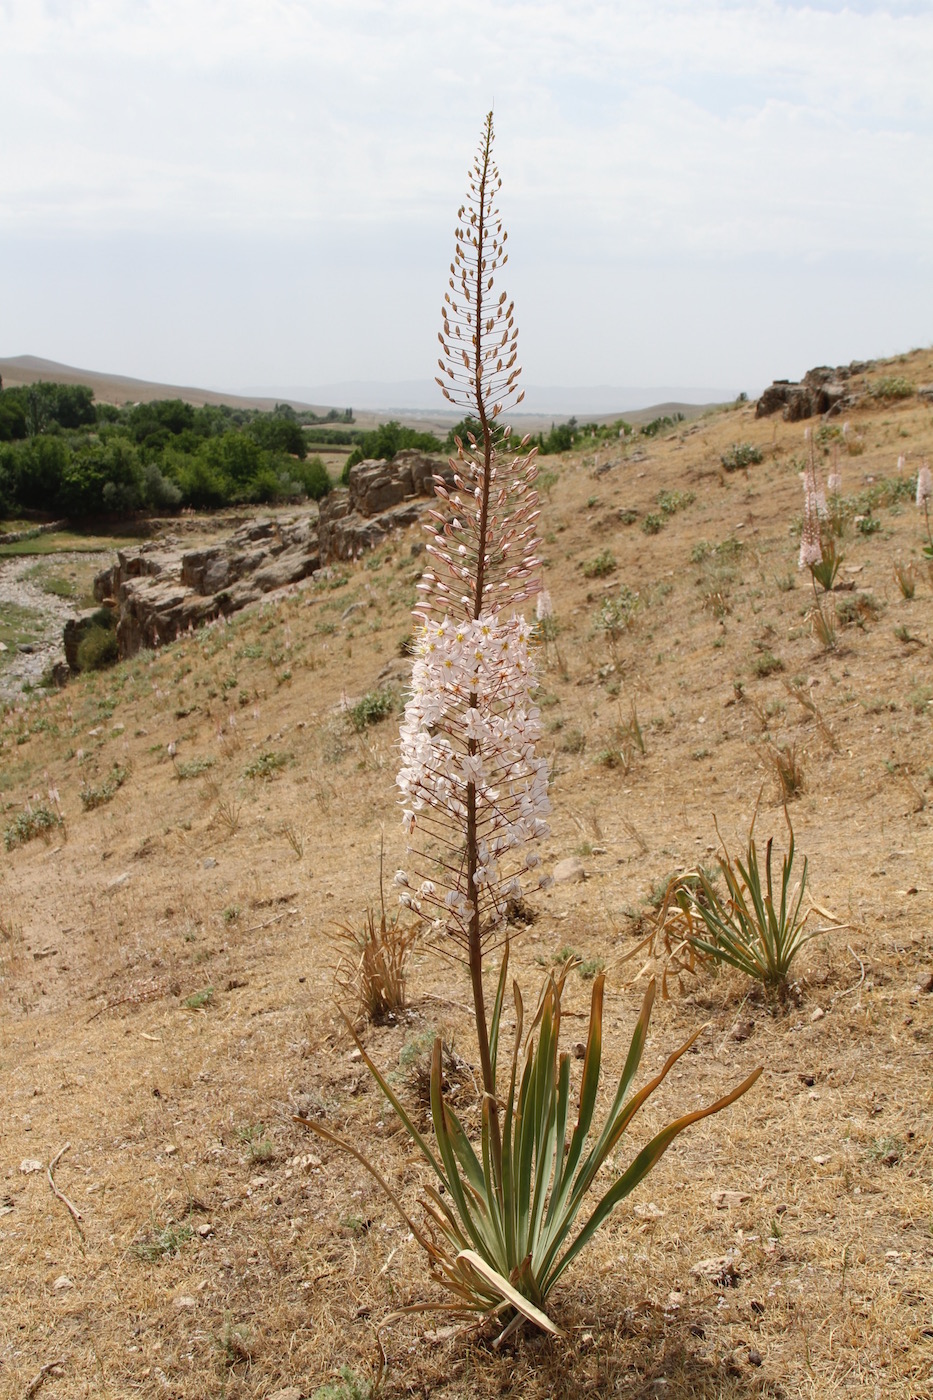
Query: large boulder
[{"x": 821, "y": 391}]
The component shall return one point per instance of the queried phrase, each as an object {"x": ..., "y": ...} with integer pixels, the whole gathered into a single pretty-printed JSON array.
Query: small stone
[
  {"x": 722, "y": 1270},
  {"x": 647, "y": 1211},
  {"x": 185, "y": 1300},
  {"x": 62, "y": 1284},
  {"x": 927, "y": 984},
  {"x": 291, "y": 1392},
  {"x": 742, "y": 1030},
  {"x": 754, "y": 1357},
  {"x": 571, "y": 869},
  {"x": 210, "y": 863},
  {"x": 725, "y": 1200},
  {"x": 205, "y": 1231},
  {"x": 821, "y": 1160},
  {"x": 817, "y": 1014},
  {"x": 579, "y": 1050},
  {"x": 170, "y": 1149},
  {"x": 29, "y": 1165}
]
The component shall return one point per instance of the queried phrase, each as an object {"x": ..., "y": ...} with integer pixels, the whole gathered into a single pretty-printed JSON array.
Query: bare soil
[{"x": 167, "y": 997}]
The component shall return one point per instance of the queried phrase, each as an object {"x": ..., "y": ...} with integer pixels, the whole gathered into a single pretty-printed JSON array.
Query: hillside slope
[{"x": 168, "y": 999}]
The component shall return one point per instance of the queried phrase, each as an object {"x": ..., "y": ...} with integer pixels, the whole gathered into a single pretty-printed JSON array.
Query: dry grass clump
[{"x": 373, "y": 968}]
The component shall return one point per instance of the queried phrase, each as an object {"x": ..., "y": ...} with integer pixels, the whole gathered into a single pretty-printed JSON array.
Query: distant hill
[
  {"x": 120, "y": 389},
  {"x": 411, "y": 402}
]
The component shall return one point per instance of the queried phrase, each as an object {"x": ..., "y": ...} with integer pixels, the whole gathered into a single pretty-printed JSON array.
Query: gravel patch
[{"x": 24, "y": 668}]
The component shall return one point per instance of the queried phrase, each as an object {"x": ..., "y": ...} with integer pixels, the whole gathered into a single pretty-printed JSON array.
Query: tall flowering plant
[
  {"x": 924, "y": 497},
  {"x": 817, "y": 546},
  {"x": 505, "y": 1216}
]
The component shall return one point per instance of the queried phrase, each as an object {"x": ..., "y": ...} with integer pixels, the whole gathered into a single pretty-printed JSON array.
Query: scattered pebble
[
  {"x": 29, "y": 1165},
  {"x": 62, "y": 1284},
  {"x": 725, "y": 1200},
  {"x": 571, "y": 869},
  {"x": 185, "y": 1300},
  {"x": 754, "y": 1357}
]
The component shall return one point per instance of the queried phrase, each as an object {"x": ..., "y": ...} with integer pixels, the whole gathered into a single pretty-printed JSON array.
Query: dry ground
[{"x": 167, "y": 987}]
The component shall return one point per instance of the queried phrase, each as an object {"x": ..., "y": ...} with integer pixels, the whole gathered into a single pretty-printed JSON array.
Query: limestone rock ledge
[{"x": 161, "y": 590}]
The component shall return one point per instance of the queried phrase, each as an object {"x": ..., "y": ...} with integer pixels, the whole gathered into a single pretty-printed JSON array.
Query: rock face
[
  {"x": 381, "y": 497},
  {"x": 822, "y": 390},
  {"x": 162, "y": 589}
]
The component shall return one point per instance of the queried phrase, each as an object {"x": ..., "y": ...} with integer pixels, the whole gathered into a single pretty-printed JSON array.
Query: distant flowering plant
[
  {"x": 817, "y": 547},
  {"x": 924, "y": 497},
  {"x": 503, "y": 1219}
]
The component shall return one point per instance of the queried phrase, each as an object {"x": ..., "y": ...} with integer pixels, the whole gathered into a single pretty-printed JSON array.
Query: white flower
[{"x": 924, "y": 487}]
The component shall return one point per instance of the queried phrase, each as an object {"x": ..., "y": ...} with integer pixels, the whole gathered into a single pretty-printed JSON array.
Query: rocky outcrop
[
  {"x": 162, "y": 589},
  {"x": 380, "y": 497},
  {"x": 821, "y": 391}
]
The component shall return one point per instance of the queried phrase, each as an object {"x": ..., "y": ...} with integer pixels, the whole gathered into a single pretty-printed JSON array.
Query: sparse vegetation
[
  {"x": 375, "y": 706},
  {"x": 155, "y": 897},
  {"x": 740, "y": 455},
  {"x": 96, "y": 795},
  {"x": 749, "y": 929},
  {"x": 39, "y": 819}
]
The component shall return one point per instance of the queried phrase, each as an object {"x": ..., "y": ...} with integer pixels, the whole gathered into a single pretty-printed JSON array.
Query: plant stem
[{"x": 472, "y": 852}]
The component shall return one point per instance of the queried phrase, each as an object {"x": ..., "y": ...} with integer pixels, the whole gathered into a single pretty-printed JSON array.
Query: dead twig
[
  {"x": 61, "y": 1196},
  {"x": 255, "y": 928},
  {"x": 40, "y": 1376}
]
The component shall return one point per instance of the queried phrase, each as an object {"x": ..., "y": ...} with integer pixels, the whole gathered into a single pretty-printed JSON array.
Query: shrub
[
  {"x": 673, "y": 501},
  {"x": 891, "y": 388},
  {"x": 266, "y": 765},
  {"x": 739, "y": 455},
  {"x": 38, "y": 820},
  {"x": 97, "y": 649},
  {"x": 600, "y": 567},
  {"x": 376, "y": 705},
  {"x": 92, "y": 797},
  {"x": 314, "y": 478}
]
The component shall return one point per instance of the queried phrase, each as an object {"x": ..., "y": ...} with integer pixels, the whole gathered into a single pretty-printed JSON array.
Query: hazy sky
[{"x": 263, "y": 192}]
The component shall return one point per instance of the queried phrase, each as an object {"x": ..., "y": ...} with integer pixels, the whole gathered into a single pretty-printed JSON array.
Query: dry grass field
[{"x": 167, "y": 953}]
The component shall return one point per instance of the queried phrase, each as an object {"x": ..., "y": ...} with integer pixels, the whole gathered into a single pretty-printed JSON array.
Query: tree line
[{"x": 61, "y": 452}]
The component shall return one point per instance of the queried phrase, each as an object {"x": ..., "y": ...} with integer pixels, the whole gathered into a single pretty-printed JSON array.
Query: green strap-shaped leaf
[
  {"x": 642, "y": 1164},
  {"x": 497, "y": 1009},
  {"x": 478, "y": 1229},
  {"x": 337, "y": 1141},
  {"x": 396, "y": 1103}
]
